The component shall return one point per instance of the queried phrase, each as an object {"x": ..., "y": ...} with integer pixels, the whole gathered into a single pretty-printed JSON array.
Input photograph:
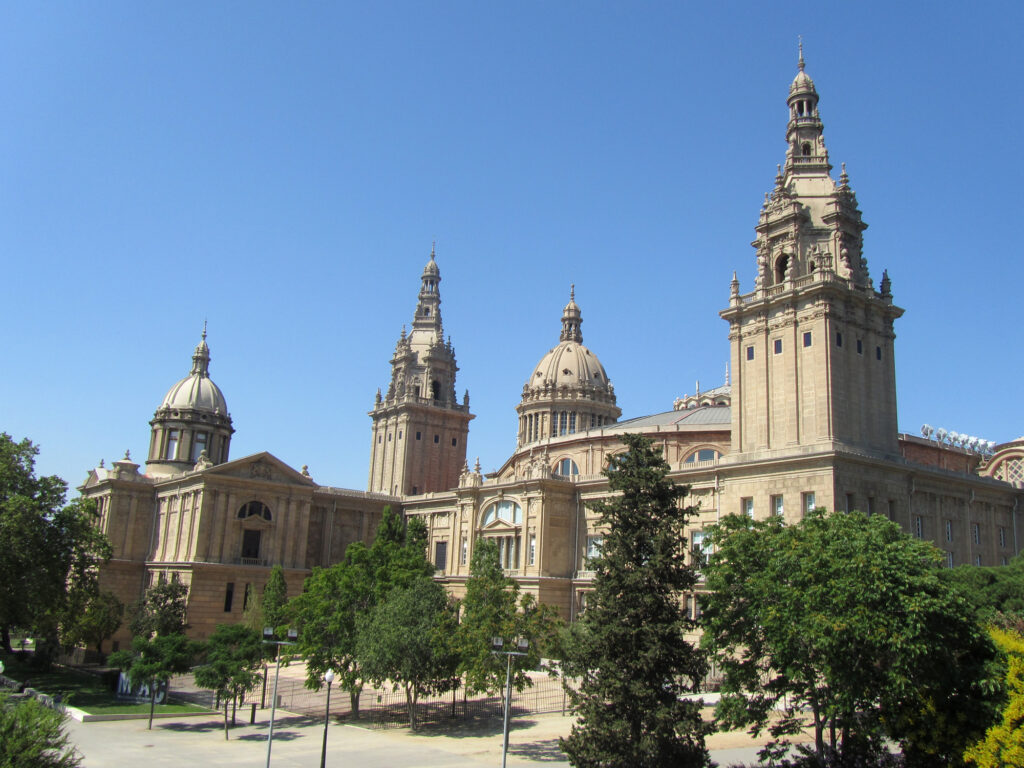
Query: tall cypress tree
[{"x": 628, "y": 661}]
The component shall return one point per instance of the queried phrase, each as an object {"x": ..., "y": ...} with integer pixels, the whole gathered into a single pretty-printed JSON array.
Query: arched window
[
  {"x": 435, "y": 389},
  {"x": 566, "y": 467},
  {"x": 806, "y": 149},
  {"x": 781, "y": 265},
  {"x": 505, "y": 510},
  {"x": 704, "y": 454},
  {"x": 254, "y": 509}
]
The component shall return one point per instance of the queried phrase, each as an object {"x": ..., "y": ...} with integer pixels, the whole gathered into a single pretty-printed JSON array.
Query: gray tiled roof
[{"x": 705, "y": 416}]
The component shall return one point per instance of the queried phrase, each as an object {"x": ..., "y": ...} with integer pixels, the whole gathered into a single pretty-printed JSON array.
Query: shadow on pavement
[
  {"x": 473, "y": 727},
  {"x": 546, "y": 751},
  {"x": 278, "y": 736}
]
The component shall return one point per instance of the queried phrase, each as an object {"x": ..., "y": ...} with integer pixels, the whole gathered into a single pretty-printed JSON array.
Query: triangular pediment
[
  {"x": 260, "y": 466},
  {"x": 500, "y": 526}
]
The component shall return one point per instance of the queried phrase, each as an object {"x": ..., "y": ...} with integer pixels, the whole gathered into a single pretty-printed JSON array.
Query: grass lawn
[{"x": 85, "y": 691}]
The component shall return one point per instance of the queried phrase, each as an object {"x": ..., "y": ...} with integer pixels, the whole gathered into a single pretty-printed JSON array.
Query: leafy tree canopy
[
  {"x": 100, "y": 619},
  {"x": 1003, "y": 744},
  {"x": 844, "y": 617},
  {"x": 49, "y": 550},
  {"x": 336, "y": 600},
  {"x": 493, "y": 608},
  {"x": 32, "y": 736},
  {"x": 274, "y": 601},
  {"x": 991, "y": 590},
  {"x": 629, "y": 651},
  {"x": 155, "y": 660},
  {"x": 234, "y": 654},
  {"x": 406, "y": 639},
  {"x": 161, "y": 611}
]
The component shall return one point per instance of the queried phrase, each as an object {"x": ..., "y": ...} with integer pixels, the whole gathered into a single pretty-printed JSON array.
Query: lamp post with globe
[{"x": 328, "y": 678}]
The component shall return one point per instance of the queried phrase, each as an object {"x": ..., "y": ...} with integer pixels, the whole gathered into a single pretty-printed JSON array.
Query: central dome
[
  {"x": 568, "y": 390},
  {"x": 197, "y": 390}
]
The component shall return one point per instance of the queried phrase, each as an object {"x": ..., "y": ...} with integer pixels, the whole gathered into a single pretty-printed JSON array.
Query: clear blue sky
[{"x": 281, "y": 170}]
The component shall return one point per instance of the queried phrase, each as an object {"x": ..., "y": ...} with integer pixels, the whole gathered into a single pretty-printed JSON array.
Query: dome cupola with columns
[
  {"x": 568, "y": 390},
  {"x": 192, "y": 426}
]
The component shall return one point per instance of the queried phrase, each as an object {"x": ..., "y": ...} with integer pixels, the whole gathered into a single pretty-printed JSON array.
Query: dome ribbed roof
[
  {"x": 570, "y": 364},
  {"x": 197, "y": 390}
]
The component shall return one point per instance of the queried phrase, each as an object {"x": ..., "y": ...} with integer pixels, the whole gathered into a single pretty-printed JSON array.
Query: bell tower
[
  {"x": 418, "y": 442},
  {"x": 812, "y": 345}
]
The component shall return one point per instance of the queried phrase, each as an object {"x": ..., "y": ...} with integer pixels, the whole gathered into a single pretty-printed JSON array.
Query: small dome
[
  {"x": 802, "y": 83},
  {"x": 196, "y": 392},
  {"x": 570, "y": 364},
  {"x": 431, "y": 268}
]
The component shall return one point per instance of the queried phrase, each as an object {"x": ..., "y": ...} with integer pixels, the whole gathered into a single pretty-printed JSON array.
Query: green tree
[
  {"x": 492, "y": 608},
  {"x": 406, "y": 640},
  {"x": 844, "y": 617},
  {"x": 154, "y": 661},
  {"x": 1004, "y": 742},
  {"x": 234, "y": 655},
  {"x": 335, "y": 600},
  {"x": 629, "y": 650},
  {"x": 100, "y": 619},
  {"x": 32, "y": 736},
  {"x": 49, "y": 551},
  {"x": 274, "y": 601},
  {"x": 161, "y": 611},
  {"x": 991, "y": 590}
]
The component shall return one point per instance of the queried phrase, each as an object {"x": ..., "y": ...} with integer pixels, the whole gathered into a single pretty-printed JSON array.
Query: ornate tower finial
[
  {"x": 204, "y": 329},
  {"x": 433, "y": 248},
  {"x": 571, "y": 319},
  {"x": 800, "y": 45},
  {"x": 572, "y": 291}
]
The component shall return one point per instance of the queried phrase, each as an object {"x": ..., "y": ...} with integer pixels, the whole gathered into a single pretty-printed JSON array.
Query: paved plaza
[{"x": 199, "y": 741}]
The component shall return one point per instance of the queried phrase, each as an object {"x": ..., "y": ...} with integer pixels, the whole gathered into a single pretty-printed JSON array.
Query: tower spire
[
  {"x": 800, "y": 45},
  {"x": 201, "y": 356},
  {"x": 571, "y": 319}
]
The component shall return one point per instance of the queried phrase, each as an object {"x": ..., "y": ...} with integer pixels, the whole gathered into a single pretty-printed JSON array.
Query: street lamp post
[
  {"x": 328, "y": 678},
  {"x": 497, "y": 647},
  {"x": 268, "y": 639}
]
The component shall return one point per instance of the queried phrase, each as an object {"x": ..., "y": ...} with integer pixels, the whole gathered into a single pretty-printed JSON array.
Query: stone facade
[{"x": 807, "y": 419}]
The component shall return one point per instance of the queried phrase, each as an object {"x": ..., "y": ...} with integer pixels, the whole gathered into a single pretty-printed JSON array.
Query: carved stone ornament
[{"x": 260, "y": 469}]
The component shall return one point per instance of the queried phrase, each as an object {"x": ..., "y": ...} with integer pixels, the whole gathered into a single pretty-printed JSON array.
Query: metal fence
[{"x": 387, "y": 708}]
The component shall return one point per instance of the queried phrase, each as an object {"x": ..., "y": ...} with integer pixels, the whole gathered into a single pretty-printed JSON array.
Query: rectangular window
[
  {"x": 561, "y": 423},
  {"x": 701, "y": 543},
  {"x": 229, "y": 596},
  {"x": 878, "y": 353},
  {"x": 949, "y": 530},
  {"x": 172, "y": 444},
  {"x": 918, "y": 527},
  {"x": 778, "y": 346},
  {"x": 750, "y": 353},
  {"x": 437, "y": 438},
  {"x": 247, "y": 596},
  {"x": 417, "y": 435},
  {"x": 871, "y": 505},
  {"x": 849, "y": 503},
  {"x": 250, "y": 545},
  {"x": 440, "y": 555},
  {"x": 533, "y": 549},
  {"x": 860, "y": 347},
  {"x": 777, "y": 505},
  {"x": 977, "y": 559},
  {"x": 594, "y": 543},
  {"x": 464, "y": 557},
  {"x": 747, "y": 507},
  {"x": 807, "y": 338},
  {"x": 976, "y": 533},
  {"x": 892, "y": 510},
  {"x": 1002, "y": 538},
  {"x": 839, "y": 339},
  {"x": 949, "y": 559},
  {"x": 1002, "y": 561},
  {"x": 572, "y": 423},
  {"x": 399, "y": 434},
  {"x": 199, "y": 441},
  {"x": 454, "y": 442},
  {"x": 809, "y": 502}
]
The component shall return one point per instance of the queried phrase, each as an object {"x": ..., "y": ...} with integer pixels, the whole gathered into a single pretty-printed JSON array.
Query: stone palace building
[{"x": 806, "y": 418}]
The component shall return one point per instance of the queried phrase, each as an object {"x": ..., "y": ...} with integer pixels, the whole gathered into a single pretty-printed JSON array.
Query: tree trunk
[
  {"x": 353, "y": 697},
  {"x": 5, "y": 635},
  {"x": 225, "y": 718},
  {"x": 410, "y": 702},
  {"x": 152, "y": 702},
  {"x": 819, "y": 733},
  {"x": 234, "y": 708}
]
